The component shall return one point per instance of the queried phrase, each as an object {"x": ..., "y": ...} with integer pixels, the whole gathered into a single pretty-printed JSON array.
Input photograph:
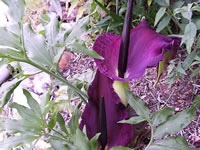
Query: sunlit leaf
[
  {"x": 159, "y": 15},
  {"x": 16, "y": 141},
  {"x": 57, "y": 7},
  {"x": 16, "y": 9},
  {"x": 36, "y": 48},
  {"x": 163, "y": 23},
  {"x": 11, "y": 86}
]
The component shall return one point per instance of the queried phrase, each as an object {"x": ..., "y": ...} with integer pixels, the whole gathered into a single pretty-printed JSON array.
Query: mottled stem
[{"x": 123, "y": 55}]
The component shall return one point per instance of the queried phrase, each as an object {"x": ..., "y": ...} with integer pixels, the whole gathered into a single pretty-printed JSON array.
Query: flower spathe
[
  {"x": 146, "y": 49},
  {"x": 117, "y": 134}
]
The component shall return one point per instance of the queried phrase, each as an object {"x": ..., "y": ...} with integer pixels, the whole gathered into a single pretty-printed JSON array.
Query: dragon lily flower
[
  {"x": 146, "y": 49},
  {"x": 102, "y": 113}
]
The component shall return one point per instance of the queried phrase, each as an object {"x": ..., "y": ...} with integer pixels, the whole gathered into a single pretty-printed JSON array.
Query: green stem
[
  {"x": 152, "y": 135},
  {"x": 62, "y": 79}
]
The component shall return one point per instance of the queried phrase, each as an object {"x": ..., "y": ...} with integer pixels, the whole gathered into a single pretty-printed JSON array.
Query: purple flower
[
  {"x": 98, "y": 120},
  {"x": 104, "y": 108},
  {"x": 146, "y": 49}
]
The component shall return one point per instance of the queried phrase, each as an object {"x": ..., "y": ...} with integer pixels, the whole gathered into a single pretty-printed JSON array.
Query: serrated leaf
[
  {"x": 172, "y": 143},
  {"x": 61, "y": 123},
  {"x": 36, "y": 48},
  {"x": 33, "y": 104},
  {"x": 120, "y": 148},
  {"x": 51, "y": 29},
  {"x": 138, "y": 105},
  {"x": 16, "y": 141},
  {"x": 189, "y": 36},
  {"x": 78, "y": 48},
  {"x": 159, "y": 15},
  {"x": 161, "y": 116},
  {"x": 9, "y": 39},
  {"x": 9, "y": 90},
  {"x": 133, "y": 120},
  {"x": 175, "y": 123},
  {"x": 163, "y": 23},
  {"x": 26, "y": 113},
  {"x": 16, "y": 9}
]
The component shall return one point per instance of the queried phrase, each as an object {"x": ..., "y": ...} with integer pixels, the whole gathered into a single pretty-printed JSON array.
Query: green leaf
[
  {"x": 33, "y": 104},
  {"x": 120, "y": 148},
  {"x": 175, "y": 123},
  {"x": 164, "y": 3},
  {"x": 81, "y": 141},
  {"x": 172, "y": 143},
  {"x": 163, "y": 23},
  {"x": 196, "y": 102},
  {"x": 189, "y": 59},
  {"x": 189, "y": 36},
  {"x": 21, "y": 126},
  {"x": 161, "y": 116},
  {"x": 9, "y": 39},
  {"x": 16, "y": 141},
  {"x": 138, "y": 105},
  {"x": 11, "y": 86},
  {"x": 78, "y": 48},
  {"x": 180, "y": 69},
  {"x": 36, "y": 48},
  {"x": 16, "y": 9},
  {"x": 159, "y": 15},
  {"x": 11, "y": 54},
  {"x": 52, "y": 29},
  {"x": 94, "y": 142},
  {"x": 26, "y": 113},
  {"x": 78, "y": 29},
  {"x": 73, "y": 123},
  {"x": 133, "y": 120},
  {"x": 61, "y": 123},
  {"x": 52, "y": 121},
  {"x": 114, "y": 16},
  {"x": 57, "y": 7},
  {"x": 58, "y": 145}
]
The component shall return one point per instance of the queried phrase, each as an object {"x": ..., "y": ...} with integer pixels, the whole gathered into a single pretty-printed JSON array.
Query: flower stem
[{"x": 123, "y": 54}]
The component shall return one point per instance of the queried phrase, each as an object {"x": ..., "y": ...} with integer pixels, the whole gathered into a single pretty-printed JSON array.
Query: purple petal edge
[{"x": 146, "y": 49}]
